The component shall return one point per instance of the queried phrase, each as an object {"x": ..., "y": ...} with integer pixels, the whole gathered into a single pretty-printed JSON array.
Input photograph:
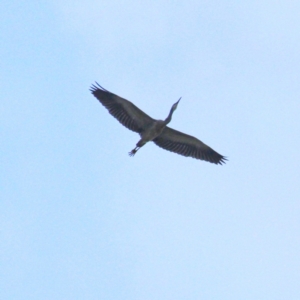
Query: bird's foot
[{"x": 132, "y": 152}]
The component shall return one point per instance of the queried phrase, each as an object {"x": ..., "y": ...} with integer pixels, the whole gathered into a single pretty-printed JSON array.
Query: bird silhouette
[{"x": 157, "y": 131}]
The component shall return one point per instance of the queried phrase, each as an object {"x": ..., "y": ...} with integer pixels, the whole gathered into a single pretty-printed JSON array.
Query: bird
[{"x": 157, "y": 131}]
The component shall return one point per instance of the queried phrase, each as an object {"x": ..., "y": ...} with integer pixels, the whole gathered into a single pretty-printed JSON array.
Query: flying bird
[{"x": 154, "y": 130}]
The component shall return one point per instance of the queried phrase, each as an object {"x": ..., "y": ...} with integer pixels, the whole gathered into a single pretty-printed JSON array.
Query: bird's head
[{"x": 175, "y": 105}]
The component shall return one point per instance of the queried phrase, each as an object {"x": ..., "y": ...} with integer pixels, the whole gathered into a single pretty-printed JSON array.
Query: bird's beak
[{"x": 178, "y": 100}]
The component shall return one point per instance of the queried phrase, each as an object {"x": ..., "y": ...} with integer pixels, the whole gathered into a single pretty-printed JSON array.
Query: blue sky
[{"x": 80, "y": 219}]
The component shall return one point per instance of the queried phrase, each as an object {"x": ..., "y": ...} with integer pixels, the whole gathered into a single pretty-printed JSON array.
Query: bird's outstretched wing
[
  {"x": 187, "y": 145},
  {"x": 123, "y": 110}
]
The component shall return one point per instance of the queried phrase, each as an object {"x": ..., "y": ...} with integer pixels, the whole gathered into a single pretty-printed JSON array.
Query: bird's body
[
  {"x": 154, "y": 130},
  {"x": 151, "y": 132}
]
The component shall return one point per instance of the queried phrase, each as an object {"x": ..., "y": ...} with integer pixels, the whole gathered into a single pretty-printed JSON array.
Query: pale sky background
[{"x": 80, "y": 219}]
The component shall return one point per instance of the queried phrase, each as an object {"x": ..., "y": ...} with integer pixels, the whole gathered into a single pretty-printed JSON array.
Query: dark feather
[
  {"x": 123, "y": 110},
  {"x": 186, "y": 145}
]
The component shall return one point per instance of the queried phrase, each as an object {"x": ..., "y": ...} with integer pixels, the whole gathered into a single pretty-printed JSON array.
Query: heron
[{"x": 157, "y": 131}]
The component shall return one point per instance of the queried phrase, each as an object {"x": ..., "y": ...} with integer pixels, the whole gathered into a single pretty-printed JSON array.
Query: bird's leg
[
  {"x": 139, "y": 145},
  {"x": 132, "y": 152}
]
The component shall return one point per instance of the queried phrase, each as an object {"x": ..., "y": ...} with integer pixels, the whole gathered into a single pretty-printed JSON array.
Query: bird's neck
[{"x": 169, "y": 118}]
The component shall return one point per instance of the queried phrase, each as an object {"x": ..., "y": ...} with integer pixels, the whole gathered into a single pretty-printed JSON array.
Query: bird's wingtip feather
[
  {"x": 97, "y": 86},
  {"x": 222, "y": 160}
]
